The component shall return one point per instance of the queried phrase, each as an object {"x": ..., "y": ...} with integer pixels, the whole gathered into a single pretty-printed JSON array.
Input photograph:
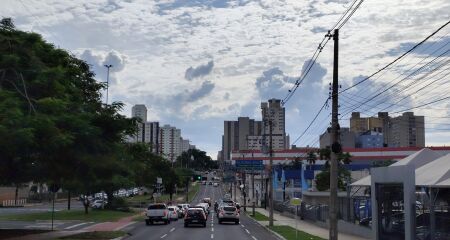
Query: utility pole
[
  {"x": 335, "y": 145},
  {"x": 270, "y": 176},
  {"x": 108, "y": 66}
]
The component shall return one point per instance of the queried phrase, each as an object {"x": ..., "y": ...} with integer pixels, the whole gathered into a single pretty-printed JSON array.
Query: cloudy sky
[{"x": 196, "y": 63}]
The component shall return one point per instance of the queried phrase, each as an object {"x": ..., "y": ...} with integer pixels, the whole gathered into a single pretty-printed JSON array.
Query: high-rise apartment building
[
  {"x": 406, "y": 130},
  {"x": 139, "y": 111},
  {"x": 274, "y": 112},
  {"x": 170, "y": 142},
  {"x": 249, "y": 134},
  {"x": 238, "y": 135},
  {"x": 151, "y": 135}
]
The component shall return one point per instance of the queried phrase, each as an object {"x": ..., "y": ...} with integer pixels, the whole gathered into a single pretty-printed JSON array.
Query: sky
[{"x": 196, "y": 63}]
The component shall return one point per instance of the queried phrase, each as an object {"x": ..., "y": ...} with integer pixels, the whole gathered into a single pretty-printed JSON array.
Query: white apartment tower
[
  {"x": 170, "y": 142},
  {"x": 139, "y": 111}
]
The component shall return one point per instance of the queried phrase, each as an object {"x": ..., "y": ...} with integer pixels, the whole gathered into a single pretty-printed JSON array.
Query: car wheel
[
  {"x": 147, "y": 222},
  {"x": 204, "y": 225},
  {"x": 185, "y": 225},
  {"x": 166, "y": 222},
  {"x": 237, "y": 222},
  {"x": 220, "y": 222}
]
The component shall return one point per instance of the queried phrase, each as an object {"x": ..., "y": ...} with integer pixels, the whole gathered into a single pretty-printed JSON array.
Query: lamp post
[{"x": 108, "y": 66}]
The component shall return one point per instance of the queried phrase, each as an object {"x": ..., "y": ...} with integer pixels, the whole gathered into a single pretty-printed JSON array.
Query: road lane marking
[
  {"x": 212, "y": 229},
  {"x": 212, "y": 235},
  {"x": 77, "y": 225},
  {"x": 242, "y": 225},
  {"x": 173, "y": 229},
  {"x": 163, "y": 236},
  {"x": 254, "y": 238},
  {"x": 247, "y": 231}
]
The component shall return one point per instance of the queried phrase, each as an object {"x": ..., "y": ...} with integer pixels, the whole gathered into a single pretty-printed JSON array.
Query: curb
[{"x": 266, "y": 228}]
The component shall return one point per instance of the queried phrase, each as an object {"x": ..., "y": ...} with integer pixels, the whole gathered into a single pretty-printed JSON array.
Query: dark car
[{"x": 195, "y": 216}]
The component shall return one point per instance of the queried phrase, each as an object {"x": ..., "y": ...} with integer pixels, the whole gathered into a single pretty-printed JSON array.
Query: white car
[
  {"x": 99, "y": 204},
  {"x": 215, "y": 184},
  {"x": 173, "y": 212}
]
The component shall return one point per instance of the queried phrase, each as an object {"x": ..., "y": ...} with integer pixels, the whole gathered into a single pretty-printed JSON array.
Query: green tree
[
  {"x": 323, "y": 178},
  {"x": 196, "y": 159},
  {"x": 53, "y": 124},
  {"x": 311, "y": 158}
]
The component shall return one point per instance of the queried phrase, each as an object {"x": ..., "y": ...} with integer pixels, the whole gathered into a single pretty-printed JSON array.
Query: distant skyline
[{"x": 196, "y": 63}]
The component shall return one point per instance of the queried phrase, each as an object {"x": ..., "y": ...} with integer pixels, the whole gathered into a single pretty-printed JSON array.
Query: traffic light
[{"x": 196, "y": 178}]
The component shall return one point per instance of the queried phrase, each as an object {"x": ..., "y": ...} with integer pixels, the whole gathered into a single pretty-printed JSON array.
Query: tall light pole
[{"x": 108, "y": 66}]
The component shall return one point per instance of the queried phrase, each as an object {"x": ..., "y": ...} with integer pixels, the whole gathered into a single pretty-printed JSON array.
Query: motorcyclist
[{"x": 216, "y": 206}]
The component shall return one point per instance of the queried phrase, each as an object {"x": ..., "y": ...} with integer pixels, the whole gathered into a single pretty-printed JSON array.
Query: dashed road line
[
  {"x": 247, "y": 231},
  {"x": 254, "y": 238},
  {"x": 163, "y": 236},
  {"x": 212, "y": 229},
  {"x": 173, "y": 229},
  {"x": 212, "y": 236},
  {"x": 242, "y": 225}
]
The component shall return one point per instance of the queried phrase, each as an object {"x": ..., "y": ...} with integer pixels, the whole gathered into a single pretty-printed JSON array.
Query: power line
[
  {"x": 397, "y": 59},
  {"x": 350, "y": 15},
  {"x": 423, "y": 105},
  {"x": 314, "y": 119}
]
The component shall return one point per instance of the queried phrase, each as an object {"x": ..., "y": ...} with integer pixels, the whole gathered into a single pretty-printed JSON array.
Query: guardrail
[{"x": 13, "y": 203}]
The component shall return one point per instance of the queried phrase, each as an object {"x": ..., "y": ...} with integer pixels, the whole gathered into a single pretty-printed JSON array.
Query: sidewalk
[{"x": 303, "y": 226}]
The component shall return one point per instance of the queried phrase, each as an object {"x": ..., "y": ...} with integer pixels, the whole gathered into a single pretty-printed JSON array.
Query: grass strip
[
  {"x": 94, "y": 215},
  {"x": 95, "y": 235},
  {"x": 288, "y": 232}
]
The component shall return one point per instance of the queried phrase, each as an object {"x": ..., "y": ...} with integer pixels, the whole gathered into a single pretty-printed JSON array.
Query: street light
[{"x": 108, "y": 66}]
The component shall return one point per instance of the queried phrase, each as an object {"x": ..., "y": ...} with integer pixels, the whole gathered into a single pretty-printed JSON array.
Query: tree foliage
[
  {"x": 323, "y": 178},
  {"x": 196, "y": 159}
]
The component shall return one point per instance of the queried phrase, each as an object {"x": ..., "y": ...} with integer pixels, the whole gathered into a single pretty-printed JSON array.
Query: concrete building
[
  {"x": 407, "y": 130},
  {"x": 139, "y": 111},
  {"x": 346, "y": 136},
  {"x": 361, "y": 125},
  {"x": 170, "y": 142},
  {"x": 238, "y": 135},
  {"x": 185, "y": 145},
  {"x": 151, "y": 135},
  {"x": 273, "y": 111}
]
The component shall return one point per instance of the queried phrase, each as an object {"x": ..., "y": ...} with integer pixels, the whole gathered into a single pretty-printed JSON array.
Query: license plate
[{"x": 194, "y": 221}]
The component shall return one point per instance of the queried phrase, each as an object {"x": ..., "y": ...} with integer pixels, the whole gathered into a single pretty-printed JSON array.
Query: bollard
[{"x": 253, "y": 209}]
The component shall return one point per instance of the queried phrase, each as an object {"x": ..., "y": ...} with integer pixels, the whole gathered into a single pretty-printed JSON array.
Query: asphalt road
[{"x": 247, "y": 229}]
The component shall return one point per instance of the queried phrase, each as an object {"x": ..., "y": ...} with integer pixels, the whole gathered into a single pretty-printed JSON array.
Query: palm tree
[{"x": 311, "y": 158}]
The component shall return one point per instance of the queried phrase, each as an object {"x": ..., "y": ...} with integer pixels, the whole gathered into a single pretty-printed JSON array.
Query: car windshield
[
  {"x": 229, "y": 209},
  {"x": 152, "y": 207}
]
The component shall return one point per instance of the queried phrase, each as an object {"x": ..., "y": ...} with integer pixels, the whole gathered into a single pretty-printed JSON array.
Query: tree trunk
[
  {"x": 68, "y": 200},
  {"x": 16, "y": 195},
  {"x": 110, "y": 200},
  {"x": 170, "y": 196},
  {"x": 86, "y": 204}
]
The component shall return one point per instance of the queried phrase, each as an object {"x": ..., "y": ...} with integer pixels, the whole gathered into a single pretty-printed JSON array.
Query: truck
[{"x": 157, "y": 212}]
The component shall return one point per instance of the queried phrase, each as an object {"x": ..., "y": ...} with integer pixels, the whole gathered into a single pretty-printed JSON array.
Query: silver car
[{"x": 228, "y": 214}]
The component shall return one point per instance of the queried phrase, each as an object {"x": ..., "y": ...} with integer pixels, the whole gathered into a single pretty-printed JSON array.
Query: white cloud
[{"x": 152, "y": 43}]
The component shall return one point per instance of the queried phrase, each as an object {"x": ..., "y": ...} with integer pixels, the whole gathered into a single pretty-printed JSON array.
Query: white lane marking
[
  {"x": 77, "y": 225},
  {"x": 163, "y": 236},
  {"x": 173, "y": 229},
  {"x": 247, "y": 231},
  {"x": 212, "y": 229},
  {"x": 254, "y": 238},
  {"x": 212, "y": 236},
  {"x": 242, "y": 225}
]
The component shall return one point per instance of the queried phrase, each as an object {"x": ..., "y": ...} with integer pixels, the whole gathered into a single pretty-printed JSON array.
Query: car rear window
[
  {"x": 156, "y": 206},
  {"x": 193, "y": 212},
  {"x": 171, "y": 209},
  {"x": 229, "y": 209}
]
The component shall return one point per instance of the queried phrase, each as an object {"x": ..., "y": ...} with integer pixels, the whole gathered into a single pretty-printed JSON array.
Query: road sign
[
  {"x": 159, "y": 180},
  {"x": 249, "y": 164}
]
